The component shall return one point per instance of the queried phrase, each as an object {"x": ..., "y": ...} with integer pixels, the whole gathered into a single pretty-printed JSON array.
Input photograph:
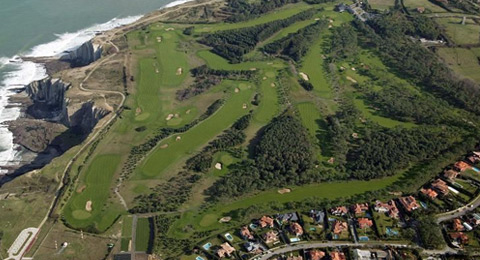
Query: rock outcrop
[
  {"x": 49, "y": 101},
  {"x": 85, "y": 119},
  {"x": 83, "y": 55}
]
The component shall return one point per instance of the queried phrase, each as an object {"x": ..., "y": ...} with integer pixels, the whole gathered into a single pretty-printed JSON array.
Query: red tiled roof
[
  {"x": 364, "y": 222},
  {"x": 316, "y": 254}
]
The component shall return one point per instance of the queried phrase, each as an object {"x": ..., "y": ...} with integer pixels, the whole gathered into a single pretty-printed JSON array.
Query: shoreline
[{"x": 40, "y": 62}]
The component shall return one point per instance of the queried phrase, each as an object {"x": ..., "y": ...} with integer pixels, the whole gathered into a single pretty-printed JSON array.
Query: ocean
[{"x": 39, "y": 28}]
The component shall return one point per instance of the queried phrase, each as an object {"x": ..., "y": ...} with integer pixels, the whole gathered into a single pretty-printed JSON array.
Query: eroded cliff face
[
  {"x": 85, "y": 119},
  {"x": 83, "y": 55},
  {"x": 48, "y": 100}
]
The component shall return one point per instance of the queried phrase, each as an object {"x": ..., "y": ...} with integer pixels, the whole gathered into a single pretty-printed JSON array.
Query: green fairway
[
  {"x": 285, "y": 12},
  {"x": 142, "y": 235},
  {"x": 184, "y": 145},
  {"x": 268, "y": 107},
  {"x": 370, "y": 114},
  {"x": 208, "y": 219},
  {"x": 95, "y": 191},
  {"x": 310, "y": 115}
]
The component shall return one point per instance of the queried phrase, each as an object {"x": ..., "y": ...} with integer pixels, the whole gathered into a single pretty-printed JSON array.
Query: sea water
[{"x": 40, "y": 28}]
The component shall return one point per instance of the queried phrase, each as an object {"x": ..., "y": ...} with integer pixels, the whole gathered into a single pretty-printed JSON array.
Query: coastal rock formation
[
  {"x": 83, "y": 55},
  {"x": 85, "y": 119},
  {"x": 49, "y": 101}
]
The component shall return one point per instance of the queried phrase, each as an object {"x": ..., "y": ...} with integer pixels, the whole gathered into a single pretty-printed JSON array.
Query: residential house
[
  {"x": 254, "y": 248},
  {"x": 225, "y": 250},
  {"x": 475, "y": 219},
  {"x": 336, "y": 255},
  {"x": 457, "y": 225},
  {"x": 316, "y": 254},
  {"x": 339, "y": 211},
  {"x": 364, "y": 223},
  {"x": 341, "y": 7},
  {"x": 318, "y": 216},
  {"x": 473, "y": 159},
  {"x": 287, "y": 217},
  {"x": 266, "y": 221},
  {"x": 409, "y": 203},
  {"x": 296, "y": 229},
  {"x": 362, "y": 255},
  {"x": 459, "y": 237},
  {"x": 450, "y": 174},
  {"x": 245, "y": 233},
  {"x": 440, "y": 186},
  {"x": 390, "y": 208},
  {"x": 358, "y": 209},
  {"x": 431, "y": 194},
  {"x": 271, "y": 236},
  {"x": 421, "y": 9},
  {"x": 461, "y": 166},
  {"x": 339, "y": 227}
]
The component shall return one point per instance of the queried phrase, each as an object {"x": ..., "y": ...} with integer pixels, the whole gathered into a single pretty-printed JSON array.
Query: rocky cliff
[
  {"x": 83, "y": 55},
  {"x": 85, "y": 119},
  {"x": 49, "y": 101}
]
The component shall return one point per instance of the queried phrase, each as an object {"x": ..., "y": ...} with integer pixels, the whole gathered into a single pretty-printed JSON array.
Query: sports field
[
  {"x": 184, "y": 145},
  {"x": 86, "y": 206},
  {"x": 462, "y": 60},
  {"x": 143, "y": 235}
]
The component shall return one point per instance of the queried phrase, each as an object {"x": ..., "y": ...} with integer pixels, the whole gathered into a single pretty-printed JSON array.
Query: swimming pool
[
  {"x": 313, "y": 229},
  {"x": 294, "y": 239},
  {"x": 363, "y": 238},
  {"x": 229, "y": 237},
  {"x": 391, "y": 232},
  {"x": 199, "y": 258},
  {"x": 476, "y": 169},
  {"x": 424, "y": 205},
  {"x": 253, "y": 226},
  {"x": 207, "y": 246}
]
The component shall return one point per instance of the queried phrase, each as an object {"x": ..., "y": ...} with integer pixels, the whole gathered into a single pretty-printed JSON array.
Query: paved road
[
  {"x": 289, "y": 248},
  {"x": 460, "y": 211},
  {"x": 134, "y": 232}
]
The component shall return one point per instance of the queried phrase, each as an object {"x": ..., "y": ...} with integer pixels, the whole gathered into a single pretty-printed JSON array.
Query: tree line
[
  {"x": 242, "y": 10},
  {"x": 205, "y": 78},
  {"x": 233, "y": 44},
  {"x": 296, "y": 45}
]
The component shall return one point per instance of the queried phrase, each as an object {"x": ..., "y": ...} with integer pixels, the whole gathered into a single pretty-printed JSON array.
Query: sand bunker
[
  {"x": 178, "y": 138},
  {"x": 244, "y": 106},
  {"x": 355, "y": 135},
  {"x": 159, "y": 39},
  {"x": 170, "y": 116},
  {"x": 284, "y": 190},
  {"x": 225, "y": 219},
  {"x": 253, "y": 69},
  {"x": 170, "y": 29},
  {"x": 218, "y": 166},
  {"x": 304, "y": 76},
  {"x": 188, "y": 112},
  {"x": 264, "y": 78},
  {"x": 179, "y": 71},
  {"x": 353, "y": 68},
  {"x": 331, "y": 160},
  {"x": 351, "y": 79},
  {"x": 138, "y": 111},
  {"x": 81, "y": 189},
  {"x": 272, "y": 85},
  {"x": 88, "y": 206},
  {"x": 237, "y": 90},
  {"x": 164, "y": 146}
]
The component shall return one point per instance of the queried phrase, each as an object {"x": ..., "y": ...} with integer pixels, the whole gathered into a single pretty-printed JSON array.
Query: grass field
[
  {"x": 282, "y": 13},
  {"x": 208, "y": 219},
  {"x": 381, "y": 4},
  {"x": 461, "y": 34},
  {"x": 161, "y": 159},
  {"x": 371, "y": 114},
  {"x": 413, "y": 4},
  {"x": 97, "y": 185},
  {"x": 143, "y": 235},
  {"x": 310, "y": 115},
  {"x": 126, "y": 232},
  {"x": 463, "y": 61}
]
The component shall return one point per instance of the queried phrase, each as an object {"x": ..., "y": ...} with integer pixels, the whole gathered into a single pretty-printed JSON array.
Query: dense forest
[
  {"x": 296, "y": 45},
  {"x": 233, "y": 44},
  {"x": 382, "y": 152},
  {"x": 282, "y": 156},
  {"x": 241, "y": 10}
]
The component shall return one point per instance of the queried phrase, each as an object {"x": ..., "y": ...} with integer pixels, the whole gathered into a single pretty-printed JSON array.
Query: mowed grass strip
[
  {"x": 186, "y": 144},
  {"x": 142, "y": 235},
  {"x": 268, "y": 106},
  {"x": 98, "y": 179},
  {"x": 331, "y": 190},
  {"x": 309, "y": 115},
  {"x": 282, "y": 13}
]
